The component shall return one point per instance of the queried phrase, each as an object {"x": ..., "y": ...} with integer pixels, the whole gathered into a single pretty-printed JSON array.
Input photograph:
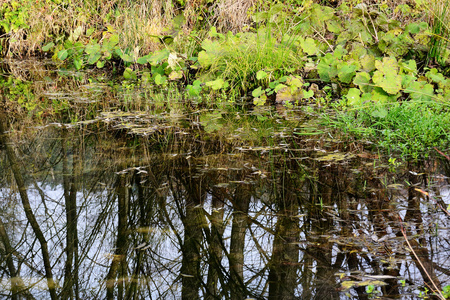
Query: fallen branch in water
[
  {"x": 442, "y": 153},
  {"x": 435, "y": 289}
]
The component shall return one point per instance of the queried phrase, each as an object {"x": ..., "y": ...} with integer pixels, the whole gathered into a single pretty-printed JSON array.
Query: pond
[{"x": 132, "y": 194}]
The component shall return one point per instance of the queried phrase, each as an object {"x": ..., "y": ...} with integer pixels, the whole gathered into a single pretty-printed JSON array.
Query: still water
[{"x": 158, "y": 200}]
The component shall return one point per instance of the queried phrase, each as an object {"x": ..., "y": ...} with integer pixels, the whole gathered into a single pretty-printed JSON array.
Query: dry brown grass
[
  {"x": 233, "y": 14},
  {"x": 134, "y": 21},
  {"x": 137, "y": 21}
]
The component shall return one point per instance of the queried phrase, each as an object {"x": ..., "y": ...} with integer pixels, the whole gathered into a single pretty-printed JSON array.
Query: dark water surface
[{"x": 159, "y": 200}]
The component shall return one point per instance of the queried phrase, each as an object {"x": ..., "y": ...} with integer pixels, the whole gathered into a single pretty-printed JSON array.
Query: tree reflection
[
  {"x": 284, "y": 263},
  {"x": 113, "y": 216},
  {"x": 215, "y": 238},
  {"x": 70, "y": 187},
  {"x": 30, "y": 215}
]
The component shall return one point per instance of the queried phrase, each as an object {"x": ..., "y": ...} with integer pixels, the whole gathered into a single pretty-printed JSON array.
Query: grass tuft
[
  {"x": 439, "y": 19},
  {"x": 411, "y": 128}
]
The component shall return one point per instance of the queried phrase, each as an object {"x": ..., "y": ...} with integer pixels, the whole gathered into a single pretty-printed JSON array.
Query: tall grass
[
  {"x": 410, "y": 129},
  {"x": 36, "y": 23},
  {"x": 239, "y": 57},
  {"x": 439, "y": 11},
  {"x": 134, "y": 21},
  {"x": 139, "y": 23}
]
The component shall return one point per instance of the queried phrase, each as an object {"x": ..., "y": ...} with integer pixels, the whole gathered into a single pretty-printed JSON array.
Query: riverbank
[{"x": 383, "y": 69}]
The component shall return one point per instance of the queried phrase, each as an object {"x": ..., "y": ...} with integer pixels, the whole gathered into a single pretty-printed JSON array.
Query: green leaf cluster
[
  {"x": 91, "y": 54},
  {"x": 14, "y": 15}
]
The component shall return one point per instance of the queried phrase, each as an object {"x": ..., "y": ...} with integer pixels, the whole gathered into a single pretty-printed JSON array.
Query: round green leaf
[
  {"x": 78, "y": 63},
  {"x": 257, "y": 92},
  {"x": 160, "y": 80},
  {"x": 261, "y": 75},
  {"x": 48, "y": 46},
  {"x": 62, "y": 55},
  {"x": 346, "y": 73},
  {"x": 353, "y": 97},
  {"x": 362, "y": 79},
  {"x": 129, "y": 74}
]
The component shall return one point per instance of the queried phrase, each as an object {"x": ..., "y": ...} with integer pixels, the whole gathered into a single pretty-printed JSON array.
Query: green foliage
[
  {"x": 238, "y": 58},
  {"x": 440, "y": 13},
  {"x": 423, "y": 294},
  {"x": 370, "y": 289},
  {"x": 363, "y": 52},
  {"x": 332, "y": 65},
  {"x": 288, "y": 90},
  {"x": 217, "y": 84},
  {"x": 21, "y": 92},
  {"x": 361, "y": 55},
  {"x": 14, "y": 15},
  {"x": 446, "y": 291},
  {"x": 386, "y": 76},
  {"x": 420, "y": 91},
  {"x": 91, "y": 54},
  {"x": 411, "y": 128},
  {"x": 260, "y": 94},
  {"x": 194, "y": 89},
  {"x": 129, "y": 74}
]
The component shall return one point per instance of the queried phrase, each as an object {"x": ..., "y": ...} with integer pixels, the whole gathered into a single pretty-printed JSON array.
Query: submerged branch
[{"x": 424, "y": 269}]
